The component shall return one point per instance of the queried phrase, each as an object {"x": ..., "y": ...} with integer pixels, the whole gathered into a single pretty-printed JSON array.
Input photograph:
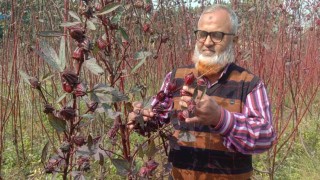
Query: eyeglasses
[{"x": 215, "y": 36}]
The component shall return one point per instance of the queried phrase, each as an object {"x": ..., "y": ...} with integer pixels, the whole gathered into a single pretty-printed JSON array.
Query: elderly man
[{"x": 232, "y": 120}]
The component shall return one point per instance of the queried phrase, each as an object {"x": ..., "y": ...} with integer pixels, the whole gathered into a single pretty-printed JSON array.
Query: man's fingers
[
  {"x": 191, "y": 90},
  {"x": 137, "y": 104},
  {"x": 194, "y": 119}
]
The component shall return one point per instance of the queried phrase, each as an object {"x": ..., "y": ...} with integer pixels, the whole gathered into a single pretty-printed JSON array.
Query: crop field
[{"x": 89, "y": 60}]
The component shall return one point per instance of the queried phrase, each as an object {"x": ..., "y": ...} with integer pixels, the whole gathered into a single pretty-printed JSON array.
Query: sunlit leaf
[
  {"x": 87, "y": 116},
  {"x": 118, "y": 96},
  {"x": 142, "y": 55},
  {"x": 116, "y": 19},
  {"x": 138, "y": 65},
  {"x": 90, "y": 141},
  {"x": 62, "y": 53},
  {"x": 101, "y": 159},
  {"x": 151, "y": 151},
  {"x": 122, "y": 166},
  {"x": 57, "y": 123},
  {"x": 90, "y": 25},
  {"x": 47, "y": 76},
  {"x": 186, "y": 136},
  {"x": 74, "y": 15},
  {"x": 61, "y": 97},
  {"x": 50, "y": 33},
  {"x": 93, "y": 67},
  {"x": 44, "y": 153},
  {"x": 123, "y": 33},
  {"x": 47, "y": 53},
  {"x": 109, "y": 8},
  {"x": 25, "y": 76},
  {"x": 102, "y": 88},
  {"x": 69, "y": 24}
]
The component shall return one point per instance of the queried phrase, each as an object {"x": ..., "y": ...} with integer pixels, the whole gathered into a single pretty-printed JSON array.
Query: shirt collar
[{"x": 221, "y": 75}]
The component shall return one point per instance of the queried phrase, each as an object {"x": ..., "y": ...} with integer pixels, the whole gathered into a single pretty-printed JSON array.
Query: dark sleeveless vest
[{"x": 207, "y": 157}]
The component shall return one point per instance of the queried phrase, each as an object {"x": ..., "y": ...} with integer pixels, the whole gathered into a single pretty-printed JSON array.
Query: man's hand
[
  {"x": 207, "y": 111},
  {"x": 138, "y": 111}
]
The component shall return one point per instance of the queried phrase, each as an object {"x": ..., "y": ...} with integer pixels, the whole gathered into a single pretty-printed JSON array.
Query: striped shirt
[{"x": 248, "y": 132}]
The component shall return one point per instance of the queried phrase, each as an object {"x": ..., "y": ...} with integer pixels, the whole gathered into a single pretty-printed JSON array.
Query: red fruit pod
[
  {"x": 146, "y": 28},
  {"x": 201, "y": 82},
  {"x": 148, "y": 8},
  {"x": 172, "y": 86},
  {"x": 78, "y": 54},
  {"x": 184, "y": 93},
  {"x": 67, "y": 87},
  {"x": 189, "y": 79},
  {"x": 80, "y": 90},
  {"x": 79, "y": 140},
  {"x": 161, "y": 96},
  {"x": 102, "y": 44},
  {"x": 180, "y": 116}
]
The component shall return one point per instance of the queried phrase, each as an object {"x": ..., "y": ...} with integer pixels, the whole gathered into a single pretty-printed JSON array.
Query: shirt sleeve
[{"x": 251, "y": 131}]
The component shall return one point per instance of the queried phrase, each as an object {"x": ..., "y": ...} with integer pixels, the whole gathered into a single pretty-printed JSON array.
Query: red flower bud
[
  {"x": 65, "y": 147},
  {"x": 35, "y": 83},
  {"x": 79, "y": 140},
  {"x": 77, "y": 33},
  {"x": 189, "y": 79},
  {"x": 68, "y": 113},
  {"x": 70, "y": 77}
]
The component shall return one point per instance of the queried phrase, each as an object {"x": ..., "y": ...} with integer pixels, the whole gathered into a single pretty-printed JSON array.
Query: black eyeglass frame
[{"x": 209, "y": 33}]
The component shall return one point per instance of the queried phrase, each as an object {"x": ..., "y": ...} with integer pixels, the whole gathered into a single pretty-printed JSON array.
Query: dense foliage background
[{"x": 278, "y": 40}]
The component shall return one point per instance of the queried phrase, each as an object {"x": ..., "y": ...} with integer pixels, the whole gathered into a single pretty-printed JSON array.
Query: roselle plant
[{"x": 80, "y": 103}]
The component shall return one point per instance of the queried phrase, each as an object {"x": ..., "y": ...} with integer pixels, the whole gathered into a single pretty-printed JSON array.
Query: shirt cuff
[{"x": 225, "y": 123}]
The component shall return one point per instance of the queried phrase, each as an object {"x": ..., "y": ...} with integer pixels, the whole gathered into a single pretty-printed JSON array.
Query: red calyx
[{"x": 189, "y": 79}]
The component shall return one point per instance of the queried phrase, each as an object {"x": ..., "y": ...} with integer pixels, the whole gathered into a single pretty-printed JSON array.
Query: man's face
[{"x": 210, "y": 52}]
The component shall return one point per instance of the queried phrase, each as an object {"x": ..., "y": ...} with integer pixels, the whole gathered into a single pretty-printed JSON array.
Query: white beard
[{"x": 222, "y": 59}]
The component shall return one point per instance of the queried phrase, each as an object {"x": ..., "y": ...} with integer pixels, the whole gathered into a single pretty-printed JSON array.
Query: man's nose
[{"x": 208, "y": 41}]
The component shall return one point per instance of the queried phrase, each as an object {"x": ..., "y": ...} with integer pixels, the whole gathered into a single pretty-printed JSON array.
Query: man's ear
[{"x": 235, "y": 39}]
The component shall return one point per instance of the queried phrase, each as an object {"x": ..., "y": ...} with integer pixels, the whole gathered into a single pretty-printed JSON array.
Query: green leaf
[
  {"x": 44, "y": 153},
  {"x": 47, "y": 76},
  {"x": 124, "y": 34},
  {"x": 151, "y": 151},
  {"x": 102, "y": 88},
  {"x": 47, "y": 53},
  {"x": 122, "y": 166},
  {"x": 142, "y": 55},
  {"x": 50, "y": 33},
  {"x": 116, "y": 19},
  {"x": 74, "y": 15},
  {"x": 101, "y": 159},
  {"x": 186, "y": 136},
  {"x": 57, "y": 123},
  {"x": 138, "y": 65},
  {"x": 195, "y": 94},
  {"x": 140, "y": 152},
  {"x": 62, "y": 53},
  {"x": 90, "y": 25},
  {"x": 93, "y": 67},
  {"x": 25, "y": 76},
  {"x": 61, "y": 97},
  {"x": 109, "y": 8},
  {"x": 118, "y": 96},
  {"x": 90, "y": 142},
  {"x": 69, "y": 24},
  {"x": 87, "y": 116}
]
